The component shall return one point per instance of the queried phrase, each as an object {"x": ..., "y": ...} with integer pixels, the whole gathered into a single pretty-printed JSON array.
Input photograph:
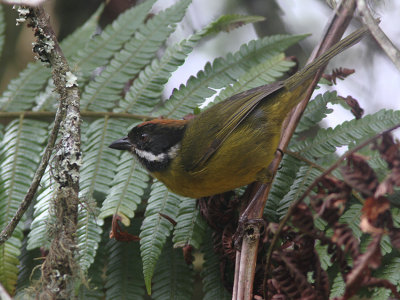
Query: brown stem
[{"x": 333, "y": 33}]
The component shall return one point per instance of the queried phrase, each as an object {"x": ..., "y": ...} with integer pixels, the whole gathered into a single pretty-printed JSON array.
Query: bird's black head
[{"x": 155, "y": 143}]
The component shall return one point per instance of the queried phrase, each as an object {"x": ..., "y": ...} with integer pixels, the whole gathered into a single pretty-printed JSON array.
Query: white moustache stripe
[
  {"x": 172, "y": 153},
  {"x": 150, "y": 156}
]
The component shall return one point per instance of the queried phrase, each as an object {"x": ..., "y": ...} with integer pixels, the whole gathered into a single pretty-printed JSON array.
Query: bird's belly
[{"x": 230, "y": 167}]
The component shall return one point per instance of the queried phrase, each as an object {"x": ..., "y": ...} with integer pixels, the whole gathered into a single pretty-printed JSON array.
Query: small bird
[{"x": 229, "y": 145}]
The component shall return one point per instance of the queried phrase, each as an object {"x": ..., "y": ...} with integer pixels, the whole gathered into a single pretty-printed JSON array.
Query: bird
[{"x": 229, "y": 145}]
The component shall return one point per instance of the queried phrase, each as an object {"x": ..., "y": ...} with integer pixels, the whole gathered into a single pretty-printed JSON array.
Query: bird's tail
[{"x": 309, "y": 70}]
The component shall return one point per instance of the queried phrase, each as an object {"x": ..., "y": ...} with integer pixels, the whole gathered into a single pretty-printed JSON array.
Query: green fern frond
[
  {"x": 43, "y": 218},
  {"x": 21, "y": 93},
  {"x": 47, "y": 99},
  {"x": 2, "y": 29},
  {"x": 124, "y": 278},
  {"x": 347, "y": 133},
  {"x": 213, "y": 287},
  {"x": 173, "y": 278},
  {"x": 19, "y": 155},
  {"x": 156, "y": 228},
  {"x": 9, "y": 261},
  {"x": 338, "y": 286},
  {"x": 351, "y": 217},
  {"x": 229, "y": 22},
  {"x": 127, "y": 188},
  {"x": 101, "y": 48},
  {"x": 88, "y": 233},
  {"x": 304, "y": 177},
  {"x": 324, "y": 257},
  {"x": 266, "y": 72},
  {"x": 72, "y": 44},
  {"x": 316, "y": 111},
  {"x": 386, "y": 245},
  {"x": 281, "y": 185},
  {"x": 147, "y": 89},
  {"x": 28, "y": 262},
  {"x": 190, "y": 225},
  {"x": 222, "y": 72},
  {"x": 99, "y": 161},
  {"x": 390, "y": 271},
  {"x": 94, "y": 288},
  {"x": 105, "y": 90}
]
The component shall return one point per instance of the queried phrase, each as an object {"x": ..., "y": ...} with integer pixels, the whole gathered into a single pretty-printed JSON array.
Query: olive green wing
[{"x": 248, "y": 101}]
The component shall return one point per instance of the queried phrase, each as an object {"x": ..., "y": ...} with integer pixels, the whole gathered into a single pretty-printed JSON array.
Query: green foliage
[
  {"x": 21, "y": 91},
  {"x": 124, "y": 270},
  {"x": 124, "y": 69},
  {"x": 104, "y": 91},
  {"x": 43, "y": 219},
  {"x": 338, "y": 286},
  {"x": 348, "y": 133},
  {"x": 281, "y": 186},
  {"x": 24, "y": 92},
  {"x": 147, "y": 89},
  {"x": 127, "y": 188},
  {"x": 229, "y": 22},
  {"x": 266, "y": 72},
  {"x": 304, "y": 177},
  {"x": 19, "y": 156},
  {"x": 28, "y": 267},
  {"x": 222, "y": 72},
  {"x": 88, "y": 234},
  {"x": 190, "y": 225},
  {"x": 156, "y": 228},
  {"x": 212, "y": 284},
  {"x": 100, "y": 162},
  {"x": 173, "y": 278},
  {"x": 391, "y": 272},
  {"x": 316, "y": 111},
  {"x": 103, "y": 47}
]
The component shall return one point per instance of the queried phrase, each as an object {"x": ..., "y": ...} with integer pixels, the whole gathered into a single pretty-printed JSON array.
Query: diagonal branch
[
  {"x": 9, "y": 229},
  {"x": 243, "y": 286}
]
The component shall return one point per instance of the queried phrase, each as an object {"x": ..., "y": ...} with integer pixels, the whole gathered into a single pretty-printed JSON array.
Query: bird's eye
[{"x": 144, "y": 137}]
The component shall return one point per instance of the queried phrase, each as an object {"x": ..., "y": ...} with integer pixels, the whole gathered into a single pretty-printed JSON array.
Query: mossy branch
[
  {"x": 59, "y": 267},
  {"x": 84, "y": 114}
]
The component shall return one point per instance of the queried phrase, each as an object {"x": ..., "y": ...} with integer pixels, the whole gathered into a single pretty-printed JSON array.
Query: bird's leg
[{"x": 245, "y": 225}]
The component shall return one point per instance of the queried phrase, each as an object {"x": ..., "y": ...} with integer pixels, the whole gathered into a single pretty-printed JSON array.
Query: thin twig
[
  {"x": 384, "y": 42},
  {"x": 9, "y": 229},
  {"x": 303, "y": 159},
  {"x": 292, "y": 207}
]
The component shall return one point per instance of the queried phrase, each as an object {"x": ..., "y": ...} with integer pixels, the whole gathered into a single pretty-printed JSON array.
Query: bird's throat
[{"x": 157, "y": 162}]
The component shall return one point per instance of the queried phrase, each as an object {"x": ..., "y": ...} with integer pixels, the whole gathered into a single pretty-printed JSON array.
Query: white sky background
[{"x": 375, "y": 86}]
